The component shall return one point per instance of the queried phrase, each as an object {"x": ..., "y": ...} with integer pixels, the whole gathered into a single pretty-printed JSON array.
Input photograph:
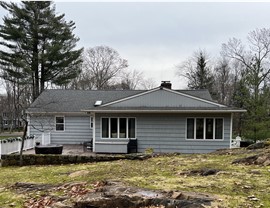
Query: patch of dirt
[
  {"x": 116, "y": 194},
  {"x": 79, "y": 173},
  {"x": 107, "y": 194},
  {"x": 200, "y": 172},
  {"x": 259, "y": 159},
  {"x": 47, "y": 199},
  {"x": 257, "y": 148},
  {"x": 28, "y": 187}
]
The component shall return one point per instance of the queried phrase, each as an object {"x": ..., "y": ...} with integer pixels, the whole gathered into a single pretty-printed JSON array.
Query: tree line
[
  {"x": 239, "y": 77},
  {"x": 38, "y": 50}
]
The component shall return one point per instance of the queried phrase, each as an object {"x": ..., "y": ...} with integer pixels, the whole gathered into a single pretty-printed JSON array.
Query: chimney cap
[{"x": 166, "y": 84}]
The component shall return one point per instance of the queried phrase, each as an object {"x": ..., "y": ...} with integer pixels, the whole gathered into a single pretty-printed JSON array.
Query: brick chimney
[{"x": 166, "y": 84}]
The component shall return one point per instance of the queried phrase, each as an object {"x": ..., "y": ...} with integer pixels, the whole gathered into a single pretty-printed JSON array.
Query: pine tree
[
  {"x": 201, "y": 77},
  {"x": 38, "y": 46}
]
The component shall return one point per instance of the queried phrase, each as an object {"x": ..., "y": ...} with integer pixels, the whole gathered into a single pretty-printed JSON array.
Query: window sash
[
  {"x": 199, "y": 128},
  {"x": 219, "y": 124},
  {"x": 105, "y": 127},
  {"x": 190, "y": 128},
  {"x": 131, "y": 127},
  {"x": 209, "y": 128},
  {"x": 123, "y": 127},
  {"x": 114, "y": 128}
]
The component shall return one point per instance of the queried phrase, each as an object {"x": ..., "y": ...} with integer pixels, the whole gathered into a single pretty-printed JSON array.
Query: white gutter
[
  {"x": 71, "y": 113},
  {"x": 166, "y": 111}
]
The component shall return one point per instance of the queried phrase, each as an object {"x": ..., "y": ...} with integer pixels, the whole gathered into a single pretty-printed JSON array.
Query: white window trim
[
  {"x": 59, "y": 123},
  {"x": 204, "y": 129},
  {"x": 118, "y": 128}
]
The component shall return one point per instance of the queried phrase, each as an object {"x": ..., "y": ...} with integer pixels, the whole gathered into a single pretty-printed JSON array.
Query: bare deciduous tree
[
  {"x": 255, "y": 58},
  {"x": 252, "y": 90},
  {"x": 103, "y": 64},
  {"x": 148, "y": 83},
  {"x": 131, "y": 80}
]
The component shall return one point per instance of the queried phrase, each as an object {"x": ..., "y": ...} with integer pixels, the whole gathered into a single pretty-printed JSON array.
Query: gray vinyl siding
[
  {"x": 163, "y": 98},
  {"x": 77, "y": 129},
  {"x": 166, "y": 133}
]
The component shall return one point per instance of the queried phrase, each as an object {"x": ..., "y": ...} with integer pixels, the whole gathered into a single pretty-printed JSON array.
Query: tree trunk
[{"x": 23, "y": 138}]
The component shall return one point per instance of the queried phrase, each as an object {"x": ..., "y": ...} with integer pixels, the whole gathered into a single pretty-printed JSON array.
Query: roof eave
[
  {"x": 55, "y": 112},
  {"x": 167, "y": 111}
]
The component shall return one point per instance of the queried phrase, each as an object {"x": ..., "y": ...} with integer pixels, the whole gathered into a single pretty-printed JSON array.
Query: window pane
[
  {"x": 113, "y": 127},
  {"x": 59, "y": 119},
  {"x": 59, "y": 127},
  {"x": 131, "y": 128},
  {"x": 219, "y": 128},
  {"x": 123, "y": 128},
  {"x": 209, "y": 128},
  {"x": 199, "y": 128},
  {"x": 190, "y": 128},
  {"x": 105, "y": 127}
]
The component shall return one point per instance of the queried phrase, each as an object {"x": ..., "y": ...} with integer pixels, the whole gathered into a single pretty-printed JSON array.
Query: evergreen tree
[
  {"x": 38, "y": 46},
  {"x": 200, "y": 77}
]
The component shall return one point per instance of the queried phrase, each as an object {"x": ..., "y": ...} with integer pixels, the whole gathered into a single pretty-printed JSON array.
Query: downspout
[
  {"x": 231, "y": 127},
  {"x": 28, "y": 127},
  {"x": 94, "y": 132}
]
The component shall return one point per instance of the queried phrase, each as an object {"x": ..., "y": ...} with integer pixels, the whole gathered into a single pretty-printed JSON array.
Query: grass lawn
[
  {"x": 234, "y": 185},
  {"x": 5, "y": 137}
]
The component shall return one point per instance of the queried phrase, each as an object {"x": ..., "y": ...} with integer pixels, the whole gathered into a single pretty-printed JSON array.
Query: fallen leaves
[
  {"x": 39, "y": 203},
  {"x": 73, "y": 190}
]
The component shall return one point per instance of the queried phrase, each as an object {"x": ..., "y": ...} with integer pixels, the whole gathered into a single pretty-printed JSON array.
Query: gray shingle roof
[
  {"x": 56, "y": 100},
  {"x": 75, "y": 100}
]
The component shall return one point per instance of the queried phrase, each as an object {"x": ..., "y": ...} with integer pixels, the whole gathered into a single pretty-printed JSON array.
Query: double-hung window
[
  {"x": 118, "y": 127},
  {"x": 59, "y": 123},
  {"x": 204, "y": 128}
]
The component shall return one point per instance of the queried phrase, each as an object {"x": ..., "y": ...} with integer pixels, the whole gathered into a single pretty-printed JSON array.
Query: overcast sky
[{"x": 155, "y": 37}]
